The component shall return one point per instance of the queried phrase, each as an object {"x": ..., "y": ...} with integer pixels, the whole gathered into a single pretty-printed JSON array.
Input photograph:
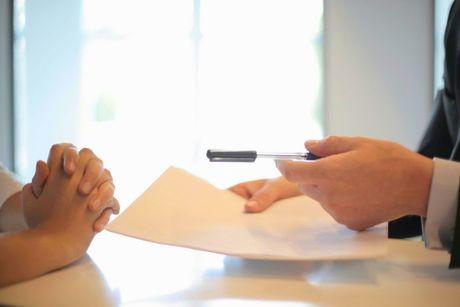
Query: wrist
[
  {"x": 65, "y": 249},
  {"x": 425, "y": 175}
]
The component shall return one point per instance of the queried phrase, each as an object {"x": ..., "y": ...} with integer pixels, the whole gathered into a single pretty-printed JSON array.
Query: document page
[{"x": 183, "y": 210}]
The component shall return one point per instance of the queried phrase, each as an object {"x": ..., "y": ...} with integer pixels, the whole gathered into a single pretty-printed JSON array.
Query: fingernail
[
  {"x": 252, "y": 204},
  {"x": 39, "y": 192},
  {"x": 86, "y": 187},
  {"x": 71, "y": 166}
]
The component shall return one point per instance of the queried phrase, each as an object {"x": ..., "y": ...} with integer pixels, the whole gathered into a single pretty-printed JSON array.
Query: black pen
[{"x": 252, "y": 155}]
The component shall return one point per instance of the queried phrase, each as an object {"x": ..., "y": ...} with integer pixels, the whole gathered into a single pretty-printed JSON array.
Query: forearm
[
  {"x": 30, "y": 253},
  {"x": 11, "y": 214}
]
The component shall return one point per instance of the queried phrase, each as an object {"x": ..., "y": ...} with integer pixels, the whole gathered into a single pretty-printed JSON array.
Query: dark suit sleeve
[
  {"x": 455, "y": 250},
  {"x": 435, "y": 142}
]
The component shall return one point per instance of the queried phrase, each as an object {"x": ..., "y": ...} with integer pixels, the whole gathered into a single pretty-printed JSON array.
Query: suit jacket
[{"x": 441, "y": 138}]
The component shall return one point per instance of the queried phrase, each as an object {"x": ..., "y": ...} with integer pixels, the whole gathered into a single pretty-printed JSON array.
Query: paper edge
[{"x": 262, "y": 256}]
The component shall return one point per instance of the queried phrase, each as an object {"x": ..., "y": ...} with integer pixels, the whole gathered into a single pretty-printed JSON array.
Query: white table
[{"x": 125, "y": 271}]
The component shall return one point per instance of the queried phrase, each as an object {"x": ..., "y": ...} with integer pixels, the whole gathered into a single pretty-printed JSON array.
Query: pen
[{"x": 252, "y": 155}]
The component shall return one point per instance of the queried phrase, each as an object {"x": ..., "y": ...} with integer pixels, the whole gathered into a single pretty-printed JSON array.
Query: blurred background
[{"x": 152, "y": 83}]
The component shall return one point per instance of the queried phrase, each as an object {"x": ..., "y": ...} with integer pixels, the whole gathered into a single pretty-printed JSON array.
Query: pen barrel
[
  {"x": 231, "y": 156},
  {"x": 251, "y": 155},
  {"x": 289, "y": 156}
]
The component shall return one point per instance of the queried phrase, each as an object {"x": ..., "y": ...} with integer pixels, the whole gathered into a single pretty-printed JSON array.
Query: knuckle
[
  {"x": 109, "y": 189},
  {"x": 116, "y": 206},
  {"x": 105, "y": 177},
  {"x": 71, "y": 151},
  {"x": 96, "y": 163},
  {"x": 55, "y": 149},
  {"x": 86, "y": 152},
  {"x": 93, "y": 168},
  {"x": 68, "y": 145},
  {"x": 108, "y": 174},
  {"x": 331, "y": 139}
]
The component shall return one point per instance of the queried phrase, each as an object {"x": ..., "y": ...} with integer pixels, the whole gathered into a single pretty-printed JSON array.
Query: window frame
[{"x": 7, "y": 83}]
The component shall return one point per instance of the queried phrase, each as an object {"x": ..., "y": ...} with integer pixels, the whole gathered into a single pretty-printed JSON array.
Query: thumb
[
  {"x": 331, "y": 145},
  {"x": 262, "y": 199},
  {"x": 27, "y": 195},
  {"x": 41, "y": 175},
  {"x": 31, "y": 212}
]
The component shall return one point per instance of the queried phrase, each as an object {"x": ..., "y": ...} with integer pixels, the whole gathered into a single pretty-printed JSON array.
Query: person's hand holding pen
[{"x": 360, "y": 182}]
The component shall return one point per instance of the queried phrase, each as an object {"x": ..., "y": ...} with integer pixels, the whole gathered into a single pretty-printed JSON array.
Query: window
[{"x": 148, "y": 84}]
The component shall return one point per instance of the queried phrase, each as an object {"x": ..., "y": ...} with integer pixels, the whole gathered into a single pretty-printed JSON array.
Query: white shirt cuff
[
  {"x": 438, "y": 227},
  {"x": 8, "y": 185}
]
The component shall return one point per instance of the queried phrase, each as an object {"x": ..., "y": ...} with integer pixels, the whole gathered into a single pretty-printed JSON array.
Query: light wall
[
  {"x": 378, "y": 77},
  {"x": 379, "y": 68}
]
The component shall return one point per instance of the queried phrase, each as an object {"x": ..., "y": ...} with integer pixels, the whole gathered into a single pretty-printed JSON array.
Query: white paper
[{"x": 183, "y": 210}]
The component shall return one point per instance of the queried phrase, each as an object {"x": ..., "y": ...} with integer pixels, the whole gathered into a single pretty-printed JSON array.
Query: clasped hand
[{"x": 94, "y": 184}]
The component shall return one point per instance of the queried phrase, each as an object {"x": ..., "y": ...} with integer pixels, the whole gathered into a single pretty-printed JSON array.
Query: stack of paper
[{"x": 183, "y": 210}]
